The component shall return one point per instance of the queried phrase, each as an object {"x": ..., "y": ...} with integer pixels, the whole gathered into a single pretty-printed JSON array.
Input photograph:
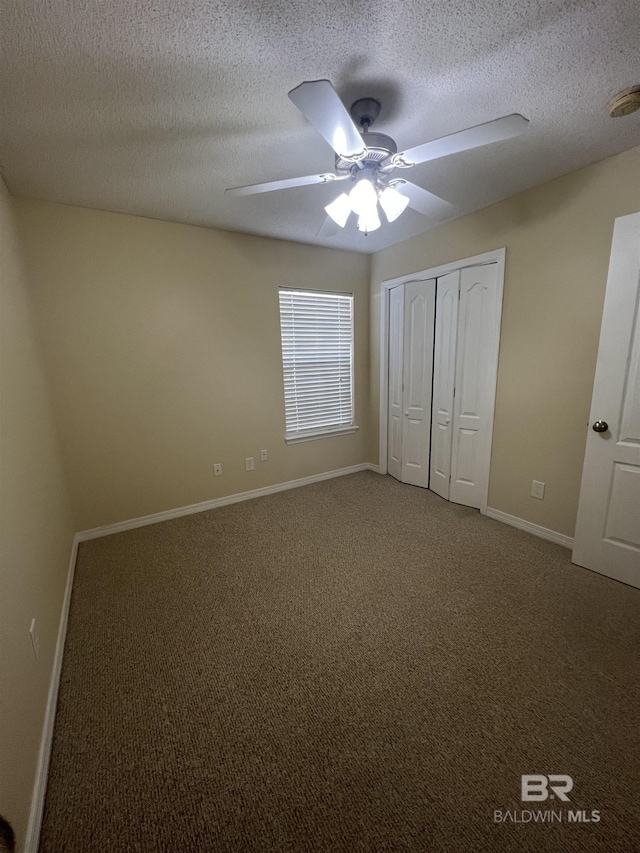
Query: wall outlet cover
[
  {"x": 217, "y": 470},
  {"x": 263, "y": 455},
  {"x": 537, "y": 490},
  {"x": 249, "y": 463}
]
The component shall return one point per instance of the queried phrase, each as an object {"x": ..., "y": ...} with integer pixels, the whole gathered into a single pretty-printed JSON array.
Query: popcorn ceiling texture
[{"x": 153, "y": 108}]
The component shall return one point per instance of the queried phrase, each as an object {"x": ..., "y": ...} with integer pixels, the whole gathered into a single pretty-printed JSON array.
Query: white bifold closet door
[
  {"x": 444, "y": 374},
  {"x": 396, "y": 381},
  {"x": 411, "y": 336},
  {"x": 465, "y": 361}
]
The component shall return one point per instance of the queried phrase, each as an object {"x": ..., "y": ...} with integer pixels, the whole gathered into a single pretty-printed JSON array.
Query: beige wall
[
  {"x": 36, "y": 532},
  {"x": 163, "y": 348},
  {"x": 558, "y": 240}
]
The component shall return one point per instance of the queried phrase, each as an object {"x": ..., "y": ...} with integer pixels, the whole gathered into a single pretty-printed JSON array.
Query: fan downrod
[{"x": 364, "y": 112}]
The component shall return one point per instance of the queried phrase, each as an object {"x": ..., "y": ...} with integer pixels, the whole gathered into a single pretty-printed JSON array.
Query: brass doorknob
[{"x": 600, "y": 426}]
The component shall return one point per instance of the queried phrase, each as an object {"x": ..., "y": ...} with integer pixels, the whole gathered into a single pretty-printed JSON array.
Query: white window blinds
[{"x": 317, "y": 355}]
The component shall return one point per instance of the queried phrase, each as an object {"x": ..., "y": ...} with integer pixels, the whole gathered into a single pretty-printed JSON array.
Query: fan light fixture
[
  {"x": 363, "y": 197},
  {"x": 340, "y": 209},
  {"x": 369, "y": 221},
  {"x": 393, "y": 203},
  {"x": 368, "y": 159},
  {"x": 363, "y": 201}
]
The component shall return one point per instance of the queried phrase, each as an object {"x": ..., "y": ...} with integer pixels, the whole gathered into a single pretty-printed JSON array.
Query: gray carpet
[{"x": 356, "y": 665}]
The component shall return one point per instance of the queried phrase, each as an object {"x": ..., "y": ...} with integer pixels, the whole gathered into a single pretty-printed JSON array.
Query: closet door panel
[
  {"x": 474, "y": 357},
  {"x": 396, "y": 361},
  {"x": 419, "y": 316},
  {"x": 447, "y": 296}
]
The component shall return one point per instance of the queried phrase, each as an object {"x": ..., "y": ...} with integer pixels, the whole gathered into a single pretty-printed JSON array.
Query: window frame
[{"x": 324, "y": 431}]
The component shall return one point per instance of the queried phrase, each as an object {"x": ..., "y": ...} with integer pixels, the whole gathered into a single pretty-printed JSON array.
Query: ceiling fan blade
[
  {"x": 424, "y": 202},
  {"x": 473, "y": 137},
  {"x": 319, "y": 103},
  {"x": 252, "y": 189},
  {"x": 329, "y": 228}
]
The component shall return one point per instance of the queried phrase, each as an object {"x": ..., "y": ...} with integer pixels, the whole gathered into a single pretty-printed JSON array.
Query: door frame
[{"x": 497, "y": 256}]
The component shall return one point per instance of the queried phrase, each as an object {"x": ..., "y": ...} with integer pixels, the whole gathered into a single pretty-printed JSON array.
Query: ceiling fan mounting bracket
[{"x": 364, "y": 112}]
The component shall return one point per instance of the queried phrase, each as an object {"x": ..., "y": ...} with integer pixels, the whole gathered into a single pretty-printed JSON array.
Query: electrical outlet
[
  {"x": 263, "y": 455},
  {"x": 35, "y": 638},
  {"x": 217, "y": 470},
  {"x": 537, "y": 490},
  {"x": 249, "y": 463}
]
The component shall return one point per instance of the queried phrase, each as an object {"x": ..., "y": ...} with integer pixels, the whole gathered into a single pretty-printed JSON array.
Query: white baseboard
[
  {"x": 204, "y": 506},
  {"x": 42, "y": 769},
  {"x": 530, "y": 527}
]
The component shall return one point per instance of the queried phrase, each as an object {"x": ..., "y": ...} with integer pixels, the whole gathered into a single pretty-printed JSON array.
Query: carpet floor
[{"x": 356, "y": 665}]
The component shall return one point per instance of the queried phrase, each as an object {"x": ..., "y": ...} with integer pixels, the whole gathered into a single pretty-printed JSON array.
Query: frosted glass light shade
[
  {"x": 339, "y": 209},
  {"x": 393, "y": 203},
  {"x": 369, "y": 221},
  {"x": 363, "y": 197}
]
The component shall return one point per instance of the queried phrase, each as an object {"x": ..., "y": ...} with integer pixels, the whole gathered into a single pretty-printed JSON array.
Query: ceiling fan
[{"x": 369, "y": 160}]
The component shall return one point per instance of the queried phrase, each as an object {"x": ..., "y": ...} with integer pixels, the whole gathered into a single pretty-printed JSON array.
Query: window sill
[{"x": 313, "y": 436}]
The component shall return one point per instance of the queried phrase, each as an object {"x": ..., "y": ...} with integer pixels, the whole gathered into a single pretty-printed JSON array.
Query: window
[{"x": 317, "y": 357}]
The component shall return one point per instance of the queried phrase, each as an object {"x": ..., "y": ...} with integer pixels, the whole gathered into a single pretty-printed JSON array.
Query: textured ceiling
[{"x": 153, "y": 107}]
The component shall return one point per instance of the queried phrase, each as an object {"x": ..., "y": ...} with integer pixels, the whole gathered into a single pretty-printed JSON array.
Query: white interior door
[
  {"x": 396, "y": 365},
  {"x": 419, "y": 317},
  {"x": 607, "y": 535},
  {"x": 476, "y": 366},
  {"x": 444, "y": 368}
]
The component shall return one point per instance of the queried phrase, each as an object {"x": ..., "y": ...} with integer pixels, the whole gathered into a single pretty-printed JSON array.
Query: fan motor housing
[{"x": 379, "y": 147}]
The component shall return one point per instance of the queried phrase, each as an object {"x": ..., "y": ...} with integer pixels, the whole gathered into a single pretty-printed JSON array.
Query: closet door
[
  {"x": 419, "y": 317},
  {"x": 396, "y": 362},
  {"x": 476, "y": 363},
  {"x": 444, "y": 368}
]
